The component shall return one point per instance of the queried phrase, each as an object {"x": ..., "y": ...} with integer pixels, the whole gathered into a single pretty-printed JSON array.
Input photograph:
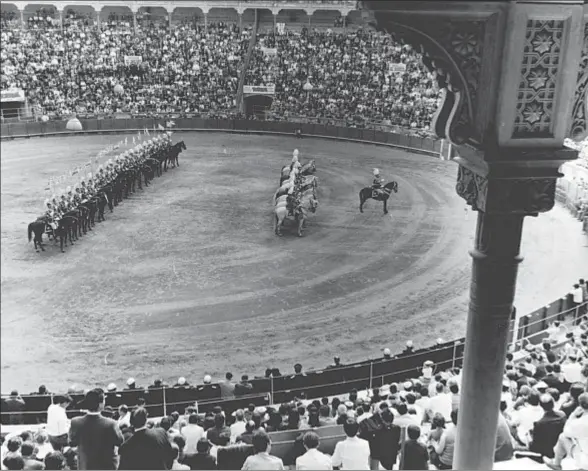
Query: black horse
[
  {"x": 175, "y": 151},
  {"x": 37, "y": 228},
  {"x": 367, "y": 193}
]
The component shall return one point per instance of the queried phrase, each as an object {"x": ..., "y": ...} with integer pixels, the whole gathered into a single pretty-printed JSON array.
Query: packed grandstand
[{"x": 397, "y": 411}]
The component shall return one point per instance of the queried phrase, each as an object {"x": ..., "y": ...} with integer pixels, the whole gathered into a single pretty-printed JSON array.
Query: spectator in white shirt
[
  {"x": 124, "y": 417},
  {"x": 572, "y": 370},
  {"x": 573, "y": 441},
  {"x": 57, "y": 422},
  {"x": 525, "y": 418},
  {"x": 192, "y": 432},
  {"x": 239, "y": 426},
  {"x": 353, "y": 452},
  {"x": 42, "y": 444},
  {"x": 577, "y": 295},
  {"x": 403, "y": 418},
  {"x": 313, "y": 458},
  {"x": 441, "y": 402}
]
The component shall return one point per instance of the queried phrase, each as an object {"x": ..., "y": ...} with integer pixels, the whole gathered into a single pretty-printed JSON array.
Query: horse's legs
[
  {"x": 385, "y": 206},
  {"x": 62, "y": 238},
  {"x": 361, "y": 201},
  {"x": 300, "y": 225}
]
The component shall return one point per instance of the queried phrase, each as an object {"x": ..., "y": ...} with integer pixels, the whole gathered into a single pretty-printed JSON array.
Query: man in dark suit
[
  {"x": 202, "y": 459},
  {"x": 95, "y": 436},
  {"x": 547, "y": 429},
  {"x": 147, "y": 448}
]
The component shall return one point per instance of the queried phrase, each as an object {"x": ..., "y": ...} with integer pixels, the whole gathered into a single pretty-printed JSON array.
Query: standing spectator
[
  {"x": 386, "y": 441},
  {"x": 147, "y": 448},
  {"x": 124, "y": 416},
  {"x": 247, "y": 436},
  {"x": 455, "y": 396},
  {"x": 202, "y": 459},
  {"x": 445, "y": 447},
  {"x": 239, "y": 426},
  {"x": 95, "y": 436},
  {"x": 227, "y": 387},
  {"x": 55, "y": 461},
  {"x": 14, "y": 406},
  {"x": 313, "y": 458},
  {"x": 27, "y": 451},
  {"x": 192, "y": 433},
  {"x": 441, "y": 402},
  {"x": 353, "y": 452},
  {"x": 573, "y": 441},
  {"x": 571, "y": 369},
  {"x": 415, "y": 454},
  {"x": 404, "y": 419},
  {"x": 577, "y": 297},
  {"x": 57, "y": 422},
  {"x": 176, "y": 465},
  {"x": 262, "y": 460},
  {"x": 547, "y": 429}
]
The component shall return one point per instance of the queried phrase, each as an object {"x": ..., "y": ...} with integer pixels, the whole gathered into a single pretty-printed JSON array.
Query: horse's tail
[{"x": 30, "y": 230}]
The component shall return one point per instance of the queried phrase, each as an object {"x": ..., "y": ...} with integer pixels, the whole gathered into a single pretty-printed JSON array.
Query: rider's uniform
[{"x": 377, "y": 184}]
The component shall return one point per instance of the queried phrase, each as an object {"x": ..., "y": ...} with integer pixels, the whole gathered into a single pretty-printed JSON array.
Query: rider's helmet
[
  {"x": 48, "y": 202},
  {"x": 376, "y": 172}
]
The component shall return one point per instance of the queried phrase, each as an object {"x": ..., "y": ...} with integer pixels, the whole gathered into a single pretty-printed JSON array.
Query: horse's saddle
[{"x": 376, "y": 193}]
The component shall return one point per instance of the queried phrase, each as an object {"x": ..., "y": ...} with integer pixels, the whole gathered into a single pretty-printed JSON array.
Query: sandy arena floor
[{"x": 187, "y": 278}]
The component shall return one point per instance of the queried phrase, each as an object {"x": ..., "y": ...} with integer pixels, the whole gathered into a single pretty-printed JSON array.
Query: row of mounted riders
[
  {"x": 76, "y": 213},
  {"x": 297, "y": 194}
]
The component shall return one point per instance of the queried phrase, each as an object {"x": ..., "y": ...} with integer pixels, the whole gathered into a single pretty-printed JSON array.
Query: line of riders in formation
[{"x": 74, "y": 212}]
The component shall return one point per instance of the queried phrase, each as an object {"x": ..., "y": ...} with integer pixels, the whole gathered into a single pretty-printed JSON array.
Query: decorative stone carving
[
  {"x": 579, "y": 128},
  {"x": 538, "y": 83},
  {"x": 506, "y": 196}
]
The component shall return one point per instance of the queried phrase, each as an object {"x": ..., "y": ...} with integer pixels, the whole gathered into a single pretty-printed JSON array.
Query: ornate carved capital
[
  {"x": 579, "y": 126},
  {"x": 525, "y": 196}
]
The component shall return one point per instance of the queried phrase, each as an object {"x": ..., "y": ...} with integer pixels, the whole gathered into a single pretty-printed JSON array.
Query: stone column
[
  {"x": 22, "y": 20},
  {"x": 494, "y": 272},
  {"x": 135, "y": 21},
  {"x": 240, "y": 20},
  {"x": 206, "y": 21},
  {"x": 169, "y": 20},
  {"x": 60, "y": 12}
]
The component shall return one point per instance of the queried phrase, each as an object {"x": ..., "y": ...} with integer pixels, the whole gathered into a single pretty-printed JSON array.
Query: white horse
[
  {"x": 310, "y": 181},
  {"x": 308, "y": 203}
]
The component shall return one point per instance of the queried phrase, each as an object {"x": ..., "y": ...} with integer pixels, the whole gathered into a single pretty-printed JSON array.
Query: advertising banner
[
  {"x": 136, "y": 60},
  {"x": 397, "y": 68},
  {"x": 12, "y": 95},
  {"x": 259, "y": 90}
]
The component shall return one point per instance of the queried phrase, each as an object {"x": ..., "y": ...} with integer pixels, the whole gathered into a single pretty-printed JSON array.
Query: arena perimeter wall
[
  {"x": 369, "y": 373},
  {"x": 415, "y": 144}
]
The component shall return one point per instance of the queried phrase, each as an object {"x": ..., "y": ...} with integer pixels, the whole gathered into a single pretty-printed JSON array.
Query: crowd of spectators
[
  {"x": 347, "y": 76},
  {"x": 543, "y": 414},
  {"x": 343, "y": 76},
  {"x": 83, "y": 70}
]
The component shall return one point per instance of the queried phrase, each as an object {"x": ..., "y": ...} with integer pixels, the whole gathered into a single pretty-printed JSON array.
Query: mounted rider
[
  {"x": 295, "y": 163},
  {"x": 51, "y": 215},
  {"x": 377, "y": 184}
]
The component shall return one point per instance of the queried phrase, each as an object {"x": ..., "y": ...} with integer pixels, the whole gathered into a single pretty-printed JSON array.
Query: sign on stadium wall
[
  {"x": 397, "y": 68},
  {"x": 11, "y": 95},
  {"x": 259, "y": 90},
  {"x": 130, "y": 60}
]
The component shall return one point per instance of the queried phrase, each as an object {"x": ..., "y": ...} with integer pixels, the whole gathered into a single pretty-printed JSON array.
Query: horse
[
  {"x": 37, "y": 228},
  {"x": 367, "y": 193},
  {"x": 307, "y": 203},
  {"x": 309, "y": 181},
  {"x": 308, "y": 168},
  {"x": 176, "y": 149}
]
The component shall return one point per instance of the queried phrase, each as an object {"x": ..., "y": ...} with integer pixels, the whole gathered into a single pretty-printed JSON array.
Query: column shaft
[{"x": 494, "y": 272}]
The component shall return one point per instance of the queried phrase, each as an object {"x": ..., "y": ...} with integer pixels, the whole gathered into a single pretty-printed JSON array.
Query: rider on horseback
[
  {"x": 295, "y": 163},
  {"x": 377, "y": 184}
]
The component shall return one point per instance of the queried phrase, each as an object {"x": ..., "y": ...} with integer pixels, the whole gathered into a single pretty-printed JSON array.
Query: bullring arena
[{"x": 187, "y": 278}]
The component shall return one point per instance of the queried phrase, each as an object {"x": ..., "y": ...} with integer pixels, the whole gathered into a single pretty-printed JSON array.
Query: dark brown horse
[{"x": 367, "y": 193}]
